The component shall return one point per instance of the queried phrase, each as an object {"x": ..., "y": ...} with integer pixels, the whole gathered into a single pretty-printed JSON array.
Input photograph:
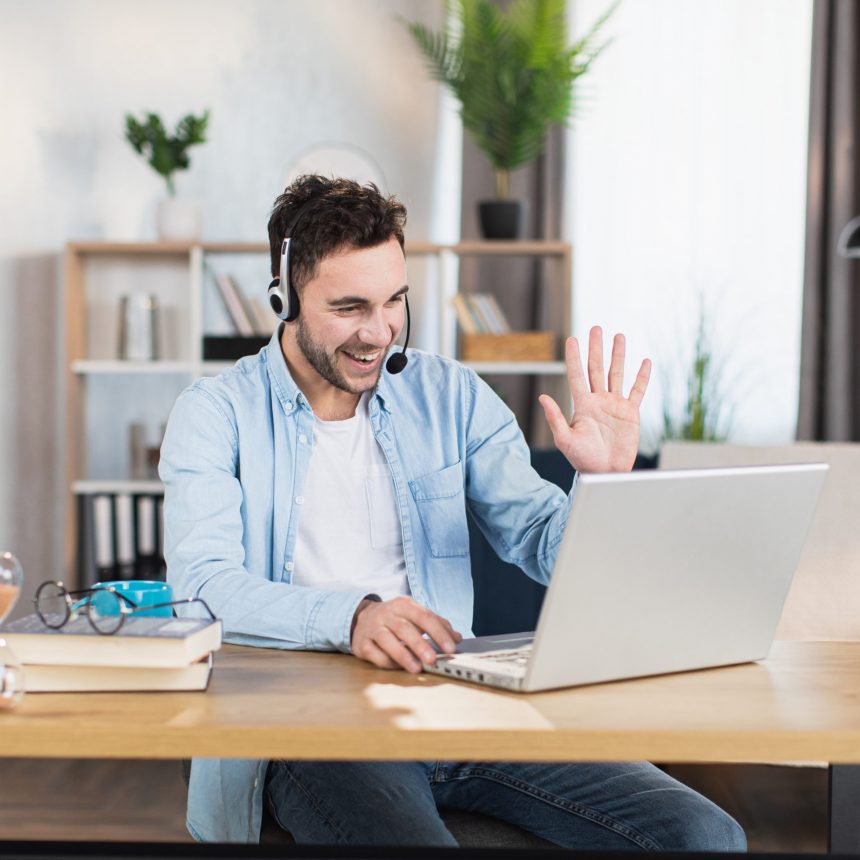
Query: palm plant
[{"x": 512, "y": 72}]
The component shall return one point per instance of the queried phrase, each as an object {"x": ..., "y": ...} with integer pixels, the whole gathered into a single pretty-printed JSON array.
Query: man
[{"x": 317, "y": 500}]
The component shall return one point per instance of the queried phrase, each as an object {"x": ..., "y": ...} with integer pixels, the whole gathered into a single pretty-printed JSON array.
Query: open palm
[{"x": 603, "y": 435}]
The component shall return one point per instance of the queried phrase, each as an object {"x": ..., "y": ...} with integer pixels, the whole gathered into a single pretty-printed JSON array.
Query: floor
[{"x": 781, "y": 808}]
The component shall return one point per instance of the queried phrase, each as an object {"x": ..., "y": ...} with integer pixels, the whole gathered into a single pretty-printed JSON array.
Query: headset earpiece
[{"x": 283, "y": 298}]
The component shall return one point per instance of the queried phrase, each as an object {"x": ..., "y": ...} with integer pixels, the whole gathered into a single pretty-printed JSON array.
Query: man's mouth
[{"x": 365, "y": 359}]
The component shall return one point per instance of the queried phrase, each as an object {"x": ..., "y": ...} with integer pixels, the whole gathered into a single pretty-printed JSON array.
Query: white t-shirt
[{"x": 349, "y": 533}]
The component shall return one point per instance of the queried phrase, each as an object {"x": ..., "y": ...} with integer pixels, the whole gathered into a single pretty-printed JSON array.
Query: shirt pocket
[
  {"x": 441, "y": 505},
  {"x": 382, "y": 505}
]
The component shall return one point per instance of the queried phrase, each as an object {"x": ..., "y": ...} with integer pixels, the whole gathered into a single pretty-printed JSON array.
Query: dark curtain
[
  {"x": 528, "y": 289},
  {"x": 830, "y": 361}
]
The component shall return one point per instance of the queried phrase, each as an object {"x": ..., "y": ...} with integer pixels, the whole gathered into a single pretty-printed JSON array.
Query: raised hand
[{"x": 603, "y": 434}]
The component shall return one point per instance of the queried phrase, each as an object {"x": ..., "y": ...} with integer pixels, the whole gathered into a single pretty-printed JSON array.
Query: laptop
[{"x": 658, "y": 571}]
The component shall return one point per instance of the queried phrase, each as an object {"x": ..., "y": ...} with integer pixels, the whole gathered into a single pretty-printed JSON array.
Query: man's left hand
[{"x": 603, "y": 434}]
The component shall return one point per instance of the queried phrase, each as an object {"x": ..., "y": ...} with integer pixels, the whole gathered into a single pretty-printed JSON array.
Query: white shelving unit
[{"x": 103, "y": 390}]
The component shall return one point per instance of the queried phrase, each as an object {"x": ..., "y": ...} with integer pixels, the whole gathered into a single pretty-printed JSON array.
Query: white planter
[{"x": 179, "y": 219}]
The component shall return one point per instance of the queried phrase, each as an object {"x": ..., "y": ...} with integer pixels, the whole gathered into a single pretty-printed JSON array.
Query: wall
[
  {"x": 687, "y": 180},
  {"x": 279, "y": 77}
]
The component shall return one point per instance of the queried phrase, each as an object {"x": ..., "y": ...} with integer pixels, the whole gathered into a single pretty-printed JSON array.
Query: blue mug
[{"x": 141, "y": 592}]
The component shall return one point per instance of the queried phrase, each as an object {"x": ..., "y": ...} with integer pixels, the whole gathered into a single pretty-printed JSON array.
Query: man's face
[{"x": 351, "y": 314}]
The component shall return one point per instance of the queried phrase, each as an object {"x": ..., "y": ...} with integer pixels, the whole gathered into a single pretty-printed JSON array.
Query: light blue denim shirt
[{"x": 234, "y": 463}]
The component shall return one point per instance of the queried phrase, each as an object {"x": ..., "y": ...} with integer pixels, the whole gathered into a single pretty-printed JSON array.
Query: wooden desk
[{"x": 802, "y": 704}]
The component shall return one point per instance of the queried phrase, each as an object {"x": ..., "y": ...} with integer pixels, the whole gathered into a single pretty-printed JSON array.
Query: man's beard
[{"x": 325, "y": 364}]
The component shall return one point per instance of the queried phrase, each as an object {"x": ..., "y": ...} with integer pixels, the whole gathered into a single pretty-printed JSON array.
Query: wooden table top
[{"x": 801, "y": 704}]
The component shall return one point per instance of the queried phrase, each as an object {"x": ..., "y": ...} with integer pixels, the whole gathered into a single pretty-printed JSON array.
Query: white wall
[
  {"x": 687, "y": 178},
  {"x": 278, "y": 75}
]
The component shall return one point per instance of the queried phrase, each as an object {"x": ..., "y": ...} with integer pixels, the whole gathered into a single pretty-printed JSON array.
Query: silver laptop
[{"x": 658, "y": 571}]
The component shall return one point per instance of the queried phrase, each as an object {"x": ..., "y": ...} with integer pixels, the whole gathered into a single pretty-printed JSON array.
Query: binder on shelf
[
  {"x": 148, "y": 563},
  {"x": 103, "y": 537},
  {"x": 125, "y": 555}
]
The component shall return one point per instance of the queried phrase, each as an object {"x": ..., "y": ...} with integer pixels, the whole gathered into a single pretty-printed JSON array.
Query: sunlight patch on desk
[{"x": 452, "y": 706}]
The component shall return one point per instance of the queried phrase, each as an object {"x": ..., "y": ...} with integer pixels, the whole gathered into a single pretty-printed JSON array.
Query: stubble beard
[{"x": 325, "y": 364}]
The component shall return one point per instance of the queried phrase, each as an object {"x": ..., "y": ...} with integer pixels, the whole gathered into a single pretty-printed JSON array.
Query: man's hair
[{"x": 333, "y": 214}]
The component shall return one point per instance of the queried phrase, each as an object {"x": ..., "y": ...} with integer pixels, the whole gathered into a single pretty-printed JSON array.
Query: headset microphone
[{"x": 397, "y": 361}]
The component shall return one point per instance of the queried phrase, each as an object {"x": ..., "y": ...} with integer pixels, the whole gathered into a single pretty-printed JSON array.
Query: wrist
[{"x": 365, "y": 602}]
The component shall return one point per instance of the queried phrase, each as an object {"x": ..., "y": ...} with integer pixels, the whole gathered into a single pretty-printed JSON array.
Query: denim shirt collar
[{"x": 290, "y": 395}]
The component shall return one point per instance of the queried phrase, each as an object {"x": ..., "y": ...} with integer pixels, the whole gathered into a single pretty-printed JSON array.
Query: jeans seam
[
  {"x": 314, "y": 803},
  {"x": 599, "y": 818}
]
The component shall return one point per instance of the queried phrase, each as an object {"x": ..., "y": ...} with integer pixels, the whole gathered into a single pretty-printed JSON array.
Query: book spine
[
  {"x": 487, "y": 312},
  {"x": 226, "y": 289},
  {"x": 502, "y": 320},
  {"x": 125, "y": 555},
  {"x": 464, "y": 316},
  {"x": 480, "y": 321}
]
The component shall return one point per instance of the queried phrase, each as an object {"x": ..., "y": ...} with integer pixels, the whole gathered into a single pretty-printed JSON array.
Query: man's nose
[{"x": 376, "y": 330}]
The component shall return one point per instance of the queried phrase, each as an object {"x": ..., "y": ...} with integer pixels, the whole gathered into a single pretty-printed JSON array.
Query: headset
[{"x": 284, "y": 300}]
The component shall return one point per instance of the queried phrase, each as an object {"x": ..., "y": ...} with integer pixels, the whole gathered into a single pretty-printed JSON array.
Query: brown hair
[{"x": 328, "y": 215}]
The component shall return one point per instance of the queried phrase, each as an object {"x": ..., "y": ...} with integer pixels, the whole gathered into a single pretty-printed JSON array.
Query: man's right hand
[{"x": 391, "y": 634}]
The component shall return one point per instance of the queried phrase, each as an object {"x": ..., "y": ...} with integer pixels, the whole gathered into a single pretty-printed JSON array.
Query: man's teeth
[{"x": 365, "y": 358}]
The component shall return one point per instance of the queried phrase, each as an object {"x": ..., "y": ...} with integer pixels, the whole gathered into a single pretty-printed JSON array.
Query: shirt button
[
  {"x": 288, "y": 566},
  {"x": 300, "y": 500},
  {"x": 288, "y": 405},
  {"x": 303, "y": 439}
]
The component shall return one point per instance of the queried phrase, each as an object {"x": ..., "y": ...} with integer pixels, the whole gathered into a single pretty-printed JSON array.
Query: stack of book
[
  {"x": 147, "y": 653},
  {"x": 479, "y": 313}
]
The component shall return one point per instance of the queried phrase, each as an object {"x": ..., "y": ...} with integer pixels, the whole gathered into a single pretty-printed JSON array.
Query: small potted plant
[
  {"x": 178, "y": 218},
  {"x": 512, "y": 72}
]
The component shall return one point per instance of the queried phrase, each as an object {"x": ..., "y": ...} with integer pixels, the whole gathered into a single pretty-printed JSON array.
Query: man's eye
[{"x": 348, "y": 310}]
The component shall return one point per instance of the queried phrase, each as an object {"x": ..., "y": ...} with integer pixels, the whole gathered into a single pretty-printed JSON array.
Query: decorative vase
[
  {"x": 179, "y": 219},
  {"x": 503, "y": 219}
]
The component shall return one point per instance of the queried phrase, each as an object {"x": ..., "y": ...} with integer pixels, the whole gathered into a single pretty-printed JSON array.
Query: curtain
[{"x": 829, "y": 407}]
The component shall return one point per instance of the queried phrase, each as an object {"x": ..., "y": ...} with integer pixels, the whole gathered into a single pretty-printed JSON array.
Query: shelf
[
  {"x": 117, "y": 366},
  {"x": 134, "y": 488},
  {"x": 497, "y": 368}
]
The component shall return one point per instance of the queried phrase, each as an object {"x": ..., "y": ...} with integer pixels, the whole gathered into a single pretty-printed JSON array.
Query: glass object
[
  {"x": 105, "y": 608},
  {"x": 138, "y": 327},
  {"x": 11, "y": 580},
  {"x": 11, "y": 677}
]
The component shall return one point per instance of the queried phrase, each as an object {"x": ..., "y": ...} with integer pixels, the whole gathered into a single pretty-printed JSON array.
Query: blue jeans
[{"x": 615, "y": 806}]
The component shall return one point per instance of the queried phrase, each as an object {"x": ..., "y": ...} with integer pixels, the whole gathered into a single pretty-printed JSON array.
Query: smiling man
[{"x": 317, "y": 498}]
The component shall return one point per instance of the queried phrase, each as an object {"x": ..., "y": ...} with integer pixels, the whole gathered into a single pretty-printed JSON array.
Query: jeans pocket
[{"x": 441, "y": 503}]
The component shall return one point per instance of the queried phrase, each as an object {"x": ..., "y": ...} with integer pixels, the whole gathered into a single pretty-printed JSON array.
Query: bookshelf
[{"x": 106, "y": 394}]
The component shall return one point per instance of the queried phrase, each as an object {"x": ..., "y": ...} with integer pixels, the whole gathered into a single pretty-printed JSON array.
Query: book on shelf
[
  {"x": 480, "y": 313},
  {"x": 144, "y": 641},
  {"x": 52, "y": 678},
  {"x": 236, "y": 305}
]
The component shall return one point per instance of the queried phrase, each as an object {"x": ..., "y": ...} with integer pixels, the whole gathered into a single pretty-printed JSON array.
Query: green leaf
[
  {"x": 166, "y": 153},
  {"x": 512, "y": 71}
]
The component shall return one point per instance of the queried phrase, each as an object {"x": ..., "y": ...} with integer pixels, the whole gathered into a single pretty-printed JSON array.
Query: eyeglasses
[{"x": 105, "y": 608}]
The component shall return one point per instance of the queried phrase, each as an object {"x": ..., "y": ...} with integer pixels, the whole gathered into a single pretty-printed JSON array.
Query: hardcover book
[
  {"x": 141, "y": 641},
  {"x": 102, "y": 679}
]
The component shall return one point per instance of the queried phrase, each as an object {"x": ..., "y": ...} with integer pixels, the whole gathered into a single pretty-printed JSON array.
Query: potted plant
[
  {"x": 177, "y": 218},
  {"x": 512, "y": 72}
]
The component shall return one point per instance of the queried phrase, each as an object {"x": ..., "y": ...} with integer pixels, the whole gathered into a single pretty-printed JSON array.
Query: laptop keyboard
[{"x": 517, "y": 657}]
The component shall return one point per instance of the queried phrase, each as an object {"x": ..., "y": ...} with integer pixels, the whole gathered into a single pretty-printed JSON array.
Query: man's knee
[{"x": 702, "y": 826}]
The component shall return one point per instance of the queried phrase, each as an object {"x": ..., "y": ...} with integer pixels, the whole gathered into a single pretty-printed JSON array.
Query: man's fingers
[
  {"x": 397, "y": 651},
  {"x": 557, "y": 422},
  {"x": 575, "y": 375},
  {"x": 616, "y": 366},
  {"x": 372, "y": 653},
  {"x": 640, "y": 385},
  {"x": 411, "y": 637},
  {"x": 595, "y": 359}
]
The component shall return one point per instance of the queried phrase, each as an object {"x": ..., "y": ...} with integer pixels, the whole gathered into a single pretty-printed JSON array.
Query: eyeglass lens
[{"x": 52, "y": 604}]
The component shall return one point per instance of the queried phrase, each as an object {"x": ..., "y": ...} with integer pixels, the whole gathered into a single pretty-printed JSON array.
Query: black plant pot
[{"x": 503, "y": 219}]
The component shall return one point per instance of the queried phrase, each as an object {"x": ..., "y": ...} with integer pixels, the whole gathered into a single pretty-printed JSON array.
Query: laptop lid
[{"x": 664, "y": 571}]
